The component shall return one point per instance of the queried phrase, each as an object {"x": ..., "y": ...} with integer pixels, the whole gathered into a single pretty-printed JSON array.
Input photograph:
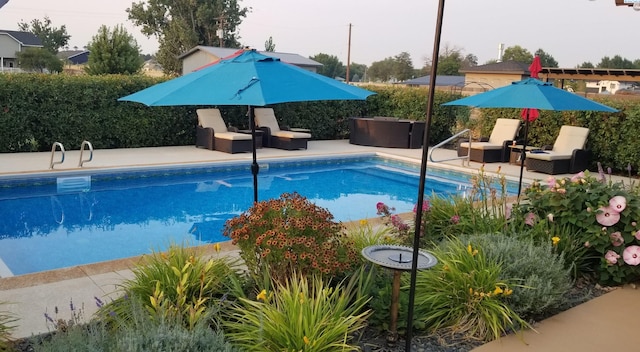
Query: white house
[
  {"x": 12, "y": 42},
  {"x": 608, "y": 87}
]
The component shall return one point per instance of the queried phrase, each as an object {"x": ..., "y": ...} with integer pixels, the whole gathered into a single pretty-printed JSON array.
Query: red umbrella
[{"x": 535, "y": 68}]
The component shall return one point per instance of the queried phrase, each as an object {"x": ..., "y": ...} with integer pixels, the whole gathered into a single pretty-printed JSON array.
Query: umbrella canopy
[
  {"x": 530, "y": 94},
  {"x": 247, "y": 78}
]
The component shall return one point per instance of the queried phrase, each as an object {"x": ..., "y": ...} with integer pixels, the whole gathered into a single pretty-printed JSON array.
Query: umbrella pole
[
  {"x": 255, "y": 168},
  {"x": 524, "y": 152}
]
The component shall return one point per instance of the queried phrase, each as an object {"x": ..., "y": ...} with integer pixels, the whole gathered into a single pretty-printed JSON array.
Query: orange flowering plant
[{"x": 291, "y": 234}]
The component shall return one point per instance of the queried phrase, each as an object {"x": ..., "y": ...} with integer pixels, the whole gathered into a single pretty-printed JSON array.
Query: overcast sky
[{"x": 572, "y": 31}]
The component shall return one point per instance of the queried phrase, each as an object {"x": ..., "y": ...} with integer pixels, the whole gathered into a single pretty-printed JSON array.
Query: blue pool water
[{"x": 54, "y": 222}]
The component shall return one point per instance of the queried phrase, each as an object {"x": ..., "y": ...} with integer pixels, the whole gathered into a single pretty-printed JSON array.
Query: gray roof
[
  {"x": 68, "y": 54},
  {"x": 294, "y": 59},
  {"x": 500, "y": 67},
  {"x": 440, "y": 81},
  {"x": 24, "y": 38}
]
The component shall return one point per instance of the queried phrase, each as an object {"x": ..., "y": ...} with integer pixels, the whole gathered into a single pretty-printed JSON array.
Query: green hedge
[
  {"x": 38, "y": 109},
  {"x": 612, "y": 137}
]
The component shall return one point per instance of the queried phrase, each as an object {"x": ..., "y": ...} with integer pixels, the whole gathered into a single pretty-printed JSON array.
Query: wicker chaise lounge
[
  {"x": 496, "y": 147},
  {"x": 212, "y": 133},
  {"x": 274, "y": 137},
  {"x": 567, "y": 155}
]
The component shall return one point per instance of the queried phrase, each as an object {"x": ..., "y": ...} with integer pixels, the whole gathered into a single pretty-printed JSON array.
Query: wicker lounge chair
[
  {"x": 496, "y": 147},
  {"x": 567, "y": 155},
  {"x": 212, "y": 133},
  {"x": 275, "y": 137}
]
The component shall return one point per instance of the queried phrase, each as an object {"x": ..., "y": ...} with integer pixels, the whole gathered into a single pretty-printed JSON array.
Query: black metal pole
[
  {"x": 423, "y": 175},
  {"x": 255, "y": 168},
  {"x": 523, "y": 152}
]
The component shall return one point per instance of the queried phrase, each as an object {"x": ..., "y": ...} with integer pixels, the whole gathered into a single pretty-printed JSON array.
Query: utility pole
[
  {"x": 349, "y": 54},
  {"x": 220, "y": 31}
]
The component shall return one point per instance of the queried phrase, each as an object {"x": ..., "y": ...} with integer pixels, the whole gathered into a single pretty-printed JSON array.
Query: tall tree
[
  {"x": 403, "y": 66},
  {"x": 269, "y": 45},
  {"x": 382, "y": 71},
  {"x": 331, "y": 65},
  {"x": 586, "y": 64},
  {"x": 517, "y": 53},
  {"x": 181, "y": 25},
  {"x": 615, "y": 62},
  {"x": 357, "y": 72},
  {"x": 52, "y": 38},
  {"x": 546, "y": 60},
  {"x": 39, "y": 59},
  {"x": 113, "y": 52}
]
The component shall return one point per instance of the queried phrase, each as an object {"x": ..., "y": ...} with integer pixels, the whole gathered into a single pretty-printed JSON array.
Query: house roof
[
  {"x": 69, "y": 54},
  {"x": 294, "y": 59},
  {"x": 503, "y": 67},
  {"x": 440, "y": 81},
  {"x": 24, "y": 38}
]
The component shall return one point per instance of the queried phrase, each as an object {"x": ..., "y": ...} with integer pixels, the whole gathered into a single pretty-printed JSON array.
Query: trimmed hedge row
[{"x": 38, "y": 109}]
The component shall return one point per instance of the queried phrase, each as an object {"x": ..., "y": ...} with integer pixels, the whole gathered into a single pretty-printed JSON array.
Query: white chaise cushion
[{"x": 211, "y": 118}]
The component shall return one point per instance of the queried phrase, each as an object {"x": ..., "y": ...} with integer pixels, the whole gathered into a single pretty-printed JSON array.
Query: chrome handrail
[
  {"x": 449, "y": 140},
  {"x": 85, "y": 143},
  {"x": 53, "y": 152}
]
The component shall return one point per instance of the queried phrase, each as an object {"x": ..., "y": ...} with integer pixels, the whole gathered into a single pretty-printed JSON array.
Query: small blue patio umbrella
[
  {"x": 247, "y": 78},
  {"x": 530, "y": 94}
]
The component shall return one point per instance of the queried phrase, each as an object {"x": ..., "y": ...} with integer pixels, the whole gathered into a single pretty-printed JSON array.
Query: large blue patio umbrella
[
  {"x": 530, "y": 94},
  {"x": 247, "y": 78}
]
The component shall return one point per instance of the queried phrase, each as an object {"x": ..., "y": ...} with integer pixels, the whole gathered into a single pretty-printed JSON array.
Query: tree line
[{"x": 180, "y": 25}]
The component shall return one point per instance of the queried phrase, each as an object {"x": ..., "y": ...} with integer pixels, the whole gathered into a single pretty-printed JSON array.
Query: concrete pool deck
[{"x": 605, "y": 322}]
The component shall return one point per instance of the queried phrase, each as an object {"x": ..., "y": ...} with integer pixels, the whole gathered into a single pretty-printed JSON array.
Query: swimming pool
[{"x": 51, "y": 222}]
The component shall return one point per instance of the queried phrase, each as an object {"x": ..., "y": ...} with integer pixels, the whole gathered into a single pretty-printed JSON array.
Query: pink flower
[
  {"x": 631, "y": 255},
  {"x": 530, "y": 219},
  {"x": 507, "y": 212},
  {"x": 577, "y": 177},
  {"x": 455, "y": 219},
  {"x": 611, "y": 257},
  {"x": 425, "y": 206},
  {"x": 618, "y": 203},
  {"x": 616, "y": 239},
  {"x": 606, "y": 216},
  {"x": 551, "y": 182}
]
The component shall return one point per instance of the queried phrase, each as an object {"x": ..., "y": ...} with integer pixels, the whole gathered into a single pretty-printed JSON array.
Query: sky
[{"x": 572, "y": 31}]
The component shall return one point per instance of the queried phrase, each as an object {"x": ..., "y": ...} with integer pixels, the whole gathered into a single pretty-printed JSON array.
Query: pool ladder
[
  {"x": 57, "y": 145},
  {"x": 449, "y": 140}
]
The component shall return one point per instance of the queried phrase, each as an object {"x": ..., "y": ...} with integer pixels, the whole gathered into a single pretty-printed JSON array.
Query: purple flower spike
[
  {"x": 609, "y": 170},
  {"x": 112, "y": 313},
  {"x": 99, "y": 302},
  {"x": 71, "y": 306},
  {"x": 600, "y": 172},
  {"x": 46, "y": 316}
]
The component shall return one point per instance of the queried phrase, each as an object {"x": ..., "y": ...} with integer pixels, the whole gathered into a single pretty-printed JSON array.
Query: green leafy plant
[
  {"x": 543, "y": 280},
  {"x": 365, "y": 234},
  {"x": 177, "y": 283},
  {"x": 141, "y": 332},
  {"x": 290, "y": 234},
  {"x": 302, "y": 314},
  {"x": 465, "y": 294},
  {"x": 7, "y": 321},
  {"x": 603, "y": 215}
]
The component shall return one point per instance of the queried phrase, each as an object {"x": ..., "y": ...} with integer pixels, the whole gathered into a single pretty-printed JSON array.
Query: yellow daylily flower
[
  {"x": 508, "y": 291},
  {"x": 497, "y": 291},
  {"x": 217, "y": 247},
  {"x": 363, "y": 222},
  {"x": 555, "y": 240},
  {"x": 262, "y": 295},
  {"x": 306, "y": 340}
]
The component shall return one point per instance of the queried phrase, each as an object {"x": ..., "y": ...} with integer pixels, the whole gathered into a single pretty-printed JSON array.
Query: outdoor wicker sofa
[
  {"x": 212, "y": 133},
  {"x": 496, "y": 147},
  {"x": 568, "y": 154},
  {"x": 387, "y": 132}
]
